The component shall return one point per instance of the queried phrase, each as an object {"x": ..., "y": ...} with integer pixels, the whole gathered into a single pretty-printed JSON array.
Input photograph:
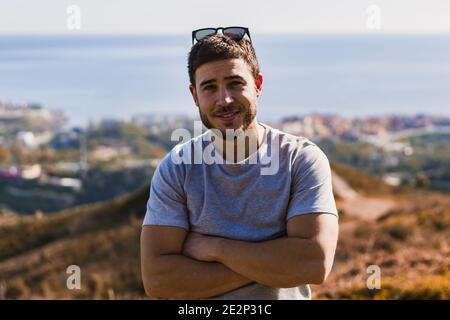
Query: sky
[{"x": 268, "y": 16}]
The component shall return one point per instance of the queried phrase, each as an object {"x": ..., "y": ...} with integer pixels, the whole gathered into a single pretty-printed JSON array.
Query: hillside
[
  {"x": 102, "y": 239},
  {"x": 407, "y": 236},
  {"x": 404, "y": 231}
]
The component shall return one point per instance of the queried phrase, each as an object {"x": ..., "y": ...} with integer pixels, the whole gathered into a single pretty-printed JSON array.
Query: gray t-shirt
[{"x": 249, "y": 201}]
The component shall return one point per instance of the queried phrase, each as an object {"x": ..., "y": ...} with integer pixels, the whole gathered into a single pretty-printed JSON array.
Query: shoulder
[
  {"x": 303, "y": 154},
  {"x": 182, "y": 156},
  {"x": 187, "y": 146},
  {"x": 301, "y": 149}
]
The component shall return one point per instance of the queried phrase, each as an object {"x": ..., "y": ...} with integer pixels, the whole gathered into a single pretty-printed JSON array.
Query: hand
[{"x": 201, "y": 247}]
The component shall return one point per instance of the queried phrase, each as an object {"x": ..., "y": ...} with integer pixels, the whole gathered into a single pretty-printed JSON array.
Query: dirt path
[{"x": 356, "y": 205}]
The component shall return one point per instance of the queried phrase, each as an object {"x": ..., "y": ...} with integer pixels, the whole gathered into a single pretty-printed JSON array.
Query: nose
[{"x": 225, "y": 98}]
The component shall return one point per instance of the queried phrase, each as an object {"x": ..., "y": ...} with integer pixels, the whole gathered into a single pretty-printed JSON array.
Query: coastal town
[{"x": 42, "y": 156}]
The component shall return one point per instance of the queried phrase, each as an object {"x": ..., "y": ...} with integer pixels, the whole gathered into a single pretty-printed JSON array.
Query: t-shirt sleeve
[
  {"x": 311, "y": 189},
  {"x": 166, "y": 205}
]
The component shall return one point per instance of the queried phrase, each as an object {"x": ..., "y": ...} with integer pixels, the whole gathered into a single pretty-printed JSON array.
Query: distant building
[
  {"x": 11, "y": 173},
  {"x": 104, "y": 153},
  {"x": 132, "y": 164},
  {"x": 392, "y": 180},
  {"x": 73, "y": 183},
  {"x": 31, "y": 117},
  {"x": 31, "y": 171}
]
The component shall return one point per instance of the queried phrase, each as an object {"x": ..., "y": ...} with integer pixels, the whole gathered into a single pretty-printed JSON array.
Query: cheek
[
  {"x": 249, "y": 94},
  {"x": 250, "y": 99},
  {"x": 206, "y": 100}
]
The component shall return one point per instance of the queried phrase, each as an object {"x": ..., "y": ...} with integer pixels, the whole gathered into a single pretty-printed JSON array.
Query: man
[{"x": 225, "y": 230}]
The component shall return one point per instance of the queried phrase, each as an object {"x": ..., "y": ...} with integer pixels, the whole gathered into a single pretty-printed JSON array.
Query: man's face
[{"x": 226, "y": 94}]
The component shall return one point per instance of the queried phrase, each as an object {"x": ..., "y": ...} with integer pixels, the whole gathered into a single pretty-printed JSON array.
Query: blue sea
[{"x": 94, "y": 77}]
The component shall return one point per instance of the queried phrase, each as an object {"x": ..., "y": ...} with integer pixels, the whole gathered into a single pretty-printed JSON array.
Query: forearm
[
  {"x": 176, "y": 276},
  {"x": 283, "y": 262}
]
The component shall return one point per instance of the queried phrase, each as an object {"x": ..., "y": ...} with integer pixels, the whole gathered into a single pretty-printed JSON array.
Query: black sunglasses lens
[
  {"x": 234, "y": 33},
  {"x": 200, "y": 34}
]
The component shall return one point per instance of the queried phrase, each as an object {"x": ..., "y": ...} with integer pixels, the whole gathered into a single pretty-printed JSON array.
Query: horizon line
[{"x": 284, "y": 33}]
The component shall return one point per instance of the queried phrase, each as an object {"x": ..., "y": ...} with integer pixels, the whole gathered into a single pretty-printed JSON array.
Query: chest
[{"x": 238, "y": 204}]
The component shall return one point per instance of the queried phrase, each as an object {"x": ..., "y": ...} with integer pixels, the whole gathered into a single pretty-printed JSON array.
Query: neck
[{"x": 242, "y": 145}]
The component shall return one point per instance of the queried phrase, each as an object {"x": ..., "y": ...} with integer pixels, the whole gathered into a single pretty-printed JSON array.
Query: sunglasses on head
[{"x": 235, "y": 33}]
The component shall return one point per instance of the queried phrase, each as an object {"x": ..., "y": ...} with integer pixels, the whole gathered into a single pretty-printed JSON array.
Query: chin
[{"x": 232, "y": 126}]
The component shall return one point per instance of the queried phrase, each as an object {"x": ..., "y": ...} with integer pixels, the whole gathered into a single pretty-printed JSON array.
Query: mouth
[{"x": 228, "y": 116}]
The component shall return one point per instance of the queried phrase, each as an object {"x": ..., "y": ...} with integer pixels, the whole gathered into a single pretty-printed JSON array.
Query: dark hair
[{"x": 220, "y": 47}]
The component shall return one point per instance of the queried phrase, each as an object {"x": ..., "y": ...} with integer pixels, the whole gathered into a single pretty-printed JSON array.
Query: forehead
[{"x": 217, "y": 70}]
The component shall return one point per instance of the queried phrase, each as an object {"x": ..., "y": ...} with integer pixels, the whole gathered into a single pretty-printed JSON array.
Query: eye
[
  {"x": 236, "y": 83},
  {"x": 209, "y": 87}
]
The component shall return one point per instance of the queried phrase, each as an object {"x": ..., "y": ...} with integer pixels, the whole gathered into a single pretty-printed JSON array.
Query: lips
[{"x": 228, "y": 116}]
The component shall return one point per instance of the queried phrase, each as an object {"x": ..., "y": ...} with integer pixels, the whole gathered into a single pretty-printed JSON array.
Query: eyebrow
[{"x": 226, "y": 78}]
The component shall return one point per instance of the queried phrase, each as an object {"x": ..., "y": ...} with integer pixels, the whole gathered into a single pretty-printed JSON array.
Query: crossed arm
[{"x": 181, "y": 265}]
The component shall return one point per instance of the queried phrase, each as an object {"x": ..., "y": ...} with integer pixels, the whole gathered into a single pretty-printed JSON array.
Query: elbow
[
  {"x": 318, "y": 278},
  {"x": 152, "y": 281},
  {"x": 321, "y": 266},
  {"x": 156, "y": 289},
  {"x": 314, "y": 271},
  {"x": 152, "y": 288},
  {"x": 163, "y": 293},
  {"x": 151, "y": 292},
  {"x": 155, "y": 279},
  {"x": 317, "y": 273},
  {"x": 321, "y": 272}
]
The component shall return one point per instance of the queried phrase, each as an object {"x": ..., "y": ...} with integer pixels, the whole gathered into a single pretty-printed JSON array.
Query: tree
[
  {"x": 5, "y": 155},
  {"x": 18, "y": 152}
]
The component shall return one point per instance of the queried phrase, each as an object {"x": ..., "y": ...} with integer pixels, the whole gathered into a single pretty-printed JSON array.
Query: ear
[
  {"x": 194, "y": 94},
  {"x": 258, "y": 84}
]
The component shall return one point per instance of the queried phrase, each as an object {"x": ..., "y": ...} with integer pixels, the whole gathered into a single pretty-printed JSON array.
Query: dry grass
[
  {"x": 428, "y": 287},
  {"x": 410, "y": 245}
]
